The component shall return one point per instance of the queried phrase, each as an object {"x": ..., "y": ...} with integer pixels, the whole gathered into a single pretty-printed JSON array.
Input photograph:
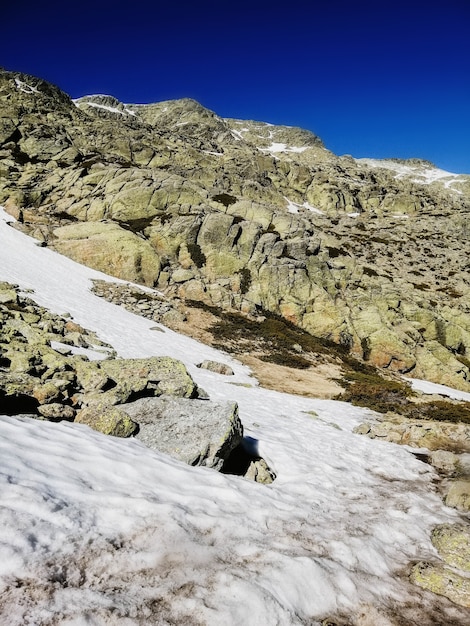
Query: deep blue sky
[{"x": 372, "y": 78}]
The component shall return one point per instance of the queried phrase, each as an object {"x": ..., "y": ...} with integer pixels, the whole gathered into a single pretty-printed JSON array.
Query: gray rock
[
  {"x": 215, "y": 366},
  {"x": 458, "y": 495},
  {"x": 194, "y": 431},
  {"x": 56, "y": 411}
]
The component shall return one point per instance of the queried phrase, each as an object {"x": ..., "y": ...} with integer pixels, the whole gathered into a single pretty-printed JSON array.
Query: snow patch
[
  {"x": 434, "y": 388},
  {"x": 293, "y": 207},
  {"x": 95, "y": 105},
  {"x": 93, "y": 355},
  {"x": 22, "y": 86},
  {"x": 418, "y": 173},
  {"x": 236, "y": 134},
  {"x": 282, "y": 147}
]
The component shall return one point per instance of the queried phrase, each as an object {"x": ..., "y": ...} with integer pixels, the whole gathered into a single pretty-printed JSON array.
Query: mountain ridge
[{"x": 247, "y": 216}]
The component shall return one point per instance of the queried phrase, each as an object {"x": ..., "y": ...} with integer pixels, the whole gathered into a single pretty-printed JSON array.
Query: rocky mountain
[
  {"x": 230, "y": 490},
  {"x": 249, "y": 217}
]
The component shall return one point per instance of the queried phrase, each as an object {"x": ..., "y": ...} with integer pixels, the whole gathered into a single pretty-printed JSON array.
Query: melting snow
[
  {"x": 282, "y": 147},
  {"x": 293, "y": 207},
  {"x": 102, "y": 530},
  {"x": 421, "y": 174},
  {"x": 105, "y": 107},
  {"x": 443, "y": 390},
  {"x": 22, "y": 86}
]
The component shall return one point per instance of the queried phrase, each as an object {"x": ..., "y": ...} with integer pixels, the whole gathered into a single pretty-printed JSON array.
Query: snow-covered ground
[{"x": 98, "y": 530}]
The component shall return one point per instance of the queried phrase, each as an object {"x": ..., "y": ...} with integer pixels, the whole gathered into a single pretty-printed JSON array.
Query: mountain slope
[
  {"x": 102, "y": 530},
  {"x": 247, "y": 216}
]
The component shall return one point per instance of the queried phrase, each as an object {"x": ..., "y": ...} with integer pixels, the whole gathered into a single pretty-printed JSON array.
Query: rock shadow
[{"x": 245, "y": 460}]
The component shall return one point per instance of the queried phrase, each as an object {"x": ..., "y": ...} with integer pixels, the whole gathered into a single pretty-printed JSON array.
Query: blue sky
[{"x": 371, "y": 78}]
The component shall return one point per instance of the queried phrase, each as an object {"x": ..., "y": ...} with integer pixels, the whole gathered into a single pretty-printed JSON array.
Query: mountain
[
  {"x": 100, "y": 529},
  {"x": 247, "y": 216},
  {"x": 147, "y": 477}
]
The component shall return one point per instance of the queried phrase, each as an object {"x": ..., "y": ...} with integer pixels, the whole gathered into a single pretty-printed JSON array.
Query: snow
[
  {"x": 293, "y": 207},
  {"x": 107, "y": 108},
  {"x": 434, "y": 388},
  {"x": 236, "y": 134},
  {"x": 282, "y": 147},
  {"x": 22, "y": 86},
  {"x": 101, "y": 530},
  {"x": 93, "y": 355},
  {"x": 419, "y": 173}
]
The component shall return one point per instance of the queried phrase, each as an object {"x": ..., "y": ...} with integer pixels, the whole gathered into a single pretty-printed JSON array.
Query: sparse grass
[
  {"x": 441, "y": 411},
  {"x": 278, "y": 341},
  {"x": 371, "y": 390},
  {"x": 274, "y": 337}
]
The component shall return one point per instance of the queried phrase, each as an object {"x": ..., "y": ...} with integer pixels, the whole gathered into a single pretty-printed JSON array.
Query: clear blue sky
[{"x": 372, "y": 78}]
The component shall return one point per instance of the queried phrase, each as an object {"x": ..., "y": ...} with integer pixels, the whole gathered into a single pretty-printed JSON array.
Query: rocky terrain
[
  {"x": 247, "y": 216},
  {"x": 329, "y": 276},
  {"x": 53, "y": 369}
]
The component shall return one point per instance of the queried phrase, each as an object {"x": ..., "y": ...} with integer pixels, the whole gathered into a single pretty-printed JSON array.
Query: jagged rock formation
[{"x": 246, "y": 215}]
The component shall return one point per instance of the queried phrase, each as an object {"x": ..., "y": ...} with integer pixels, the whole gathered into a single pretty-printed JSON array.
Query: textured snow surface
[{"x": 99, "y": 530}]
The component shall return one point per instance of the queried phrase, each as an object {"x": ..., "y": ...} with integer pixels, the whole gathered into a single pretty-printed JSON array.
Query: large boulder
[
  {"x": 448, "y": 577},
  {"x": 107, "y": 247},
  {"x": 198, "y": 432}
]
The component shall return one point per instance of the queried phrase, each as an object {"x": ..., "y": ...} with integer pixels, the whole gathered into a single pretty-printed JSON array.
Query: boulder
[
  {"x": 109, "y": 420},
  {"x": 198, "y": 432},
  {"x": 215, "y": 366},
  {"x": 56, "y": 412},
  {"x": 153, "y": 376},
  {"x": 458, "y": 495},
  {"x": 107, "y": 247},
  {"x": 450, "y": 576}
]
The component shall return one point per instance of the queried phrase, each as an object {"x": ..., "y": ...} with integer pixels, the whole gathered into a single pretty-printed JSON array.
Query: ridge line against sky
[{"x": 372, "y": 79}]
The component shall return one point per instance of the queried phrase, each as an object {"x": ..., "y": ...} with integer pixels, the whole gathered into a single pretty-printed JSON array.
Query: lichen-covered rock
[
  {"x": 443, "y": 581},
  {"x": 109, "y": 420},
  {"x": 56, "y": 411},
  {"x": 198, "y": 432},
  {"x": 153, "y": 376},
  {"x": 450, "y": 577},
  {"x": 109, "y": 248},
  {"x": 247, "y": 216},
  {"x": 260, "y": 472},
  {"x": 426, "y": 433},
  {"x": 216, "y": 367},
  {"x": 458, "y": 495}
]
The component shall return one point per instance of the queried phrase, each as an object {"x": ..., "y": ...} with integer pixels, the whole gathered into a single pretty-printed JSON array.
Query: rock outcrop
[
  {"x": 450, "y": 576},
  {"x": 46, "y": 368},
  {"x": 247, "y": 216}
]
